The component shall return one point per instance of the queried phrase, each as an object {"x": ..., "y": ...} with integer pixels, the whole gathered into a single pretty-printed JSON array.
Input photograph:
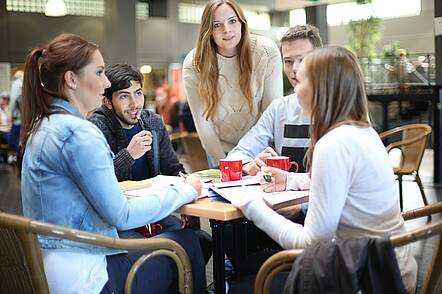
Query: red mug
[
  {"x": 281, "y": 162},
  {"x": 230, "y": 170}
]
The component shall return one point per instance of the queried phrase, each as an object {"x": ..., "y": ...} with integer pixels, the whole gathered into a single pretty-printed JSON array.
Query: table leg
[
  {"x": 385, "y": 122},
  {"x": 219, "y": 279}
]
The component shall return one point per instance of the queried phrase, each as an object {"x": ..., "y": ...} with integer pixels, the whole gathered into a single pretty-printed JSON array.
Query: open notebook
[
  {"x": 250, "y": 186},
  {"x": 153, "y": 186}
]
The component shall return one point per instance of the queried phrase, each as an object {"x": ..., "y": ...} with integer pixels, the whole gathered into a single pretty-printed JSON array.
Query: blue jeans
[
  {"x": 13, "y": 137},
  {"x": 169, "y": 223},
  {"x": 158, "y": 274}
]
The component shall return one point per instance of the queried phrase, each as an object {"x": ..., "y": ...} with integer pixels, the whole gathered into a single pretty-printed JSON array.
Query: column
[
  {"x": 120, "y": 45},
  {"x": 3, "y": 32},
  {"x": 438, "y": 98},
  {"x": 317, "y": 16}
]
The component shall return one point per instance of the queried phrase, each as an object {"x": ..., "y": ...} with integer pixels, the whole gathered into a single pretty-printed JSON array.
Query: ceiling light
[
  {"x": 55, "y": 8},
  {"x": 146, "y": 69}
]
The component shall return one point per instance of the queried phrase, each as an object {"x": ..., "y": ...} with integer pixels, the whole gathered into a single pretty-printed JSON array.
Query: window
[
  {"x": 74, "y": 7},
  {"x": 142, "y": 10},
  {"x": 297, "y": 17},
  {"x": 190, "y": 11},
  {"x": 258, "y": 19},
  {"x": 342, "y": 13}
]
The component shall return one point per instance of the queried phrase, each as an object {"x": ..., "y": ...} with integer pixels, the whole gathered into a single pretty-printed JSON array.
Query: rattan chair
[
  {"x": 194, "y": 153},
  {"x": 21, "y": 263},
  {"x": 283, "y": 260},
  {"x": 412, "y": 146}
]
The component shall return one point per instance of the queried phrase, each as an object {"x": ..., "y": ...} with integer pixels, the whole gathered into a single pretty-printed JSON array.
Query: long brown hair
[
  {"x": 206, "y": 63},
  {"x": 44, "y": 77},
  {"x": 339, "y": 95}
]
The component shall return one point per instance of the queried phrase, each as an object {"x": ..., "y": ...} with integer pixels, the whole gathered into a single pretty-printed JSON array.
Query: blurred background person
[
  {"x": 15, "y": 108},
  {"x": 5, "y": 123},
  {"x": 168, "y": 106}
]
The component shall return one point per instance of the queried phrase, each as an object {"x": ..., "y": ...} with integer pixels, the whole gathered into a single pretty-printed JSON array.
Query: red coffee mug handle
[{"x": 295, "y": 164}]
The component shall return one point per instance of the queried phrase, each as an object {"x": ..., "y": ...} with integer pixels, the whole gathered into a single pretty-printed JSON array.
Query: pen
[
  {"x": 183, "y": 175},
  {"x": 150, "y": 164},
  {"x": 267, "y": 176}
]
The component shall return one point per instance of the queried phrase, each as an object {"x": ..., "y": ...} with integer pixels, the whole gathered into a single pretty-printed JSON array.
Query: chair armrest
[
  {"x": 405, "y": 142},
  {"x": 423, "y": 211},
  {"x": 275, "y": 264},
  {"x": 388, "y": 133},
  {"x": 184, "y": 272},
  {"x": 159, "y": 246},
  {"x": 178, "y": 135},
  {"x": 431, "y": 229}
]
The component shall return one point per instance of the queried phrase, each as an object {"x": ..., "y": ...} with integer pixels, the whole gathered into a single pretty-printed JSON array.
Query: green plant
[
  {"x": 363, "y": 36},
  {"x": 391, "y": 50}
]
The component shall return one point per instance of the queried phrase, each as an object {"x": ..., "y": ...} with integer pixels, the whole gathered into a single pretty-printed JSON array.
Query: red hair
[{"x": 165, "y": 109}]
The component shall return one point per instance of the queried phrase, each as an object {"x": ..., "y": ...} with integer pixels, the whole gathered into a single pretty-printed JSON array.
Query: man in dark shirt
[{"x": 137, "y": 136}]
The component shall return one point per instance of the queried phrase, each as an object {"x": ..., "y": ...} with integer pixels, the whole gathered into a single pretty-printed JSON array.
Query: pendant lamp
[{"x": 55, "y": 8}]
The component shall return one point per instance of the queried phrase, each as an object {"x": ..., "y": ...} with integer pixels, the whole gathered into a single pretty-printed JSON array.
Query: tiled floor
[{"x": 10, "y": 202}]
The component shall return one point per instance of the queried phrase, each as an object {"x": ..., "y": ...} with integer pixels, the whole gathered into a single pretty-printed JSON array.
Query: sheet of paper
[
  {"x": 275, "y": 200},
  {"x": 142, "y": 192},
  {"x": 280, "y": 199}
]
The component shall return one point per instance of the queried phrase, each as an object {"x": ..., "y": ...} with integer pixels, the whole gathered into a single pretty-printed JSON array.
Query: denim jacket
[{"x": 68, "y": 179}]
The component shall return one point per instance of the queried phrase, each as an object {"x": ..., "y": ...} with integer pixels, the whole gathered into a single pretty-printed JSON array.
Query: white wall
[{"x": 414, "y": 33}]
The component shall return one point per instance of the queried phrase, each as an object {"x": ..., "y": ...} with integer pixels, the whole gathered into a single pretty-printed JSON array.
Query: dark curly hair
[{"x": 120, "y": 76}]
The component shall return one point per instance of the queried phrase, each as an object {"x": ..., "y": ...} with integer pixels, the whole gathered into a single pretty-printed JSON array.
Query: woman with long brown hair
[
  {"x": 68, "y": 178},
  {"x": 352, "y": 189},
  {"x": 229, "y": 78}
]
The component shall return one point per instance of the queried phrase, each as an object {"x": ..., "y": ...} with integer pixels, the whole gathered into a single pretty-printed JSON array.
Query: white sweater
[
  {"x": 352, "y": 194},
  {"x": 232, "y": 117}
]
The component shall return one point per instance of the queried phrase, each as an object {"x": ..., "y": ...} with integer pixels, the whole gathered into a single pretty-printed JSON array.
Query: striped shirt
[{"x": 282, "y": 126}]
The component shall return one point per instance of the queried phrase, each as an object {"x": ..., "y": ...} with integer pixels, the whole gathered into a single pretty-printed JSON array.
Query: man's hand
[
  {"x": 140, "y": 144},
  {"x": 253, "y": 167}
]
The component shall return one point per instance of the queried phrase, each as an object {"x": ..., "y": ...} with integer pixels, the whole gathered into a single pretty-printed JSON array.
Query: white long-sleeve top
[
  {"x": 233, "y": 117},
  {"x": 352, "y": 194}
]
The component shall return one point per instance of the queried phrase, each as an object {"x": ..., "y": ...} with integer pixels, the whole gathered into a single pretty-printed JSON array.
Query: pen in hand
[
  {"x": 183, "y": 175},
  {"x": 267, "y": 176}
]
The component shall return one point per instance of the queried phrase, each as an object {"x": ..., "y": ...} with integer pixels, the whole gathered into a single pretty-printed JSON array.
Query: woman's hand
[
  {"x": 195, "y": 182},
  {"x": 241, "y": 200},
  {"x": 278, "y": 180}
]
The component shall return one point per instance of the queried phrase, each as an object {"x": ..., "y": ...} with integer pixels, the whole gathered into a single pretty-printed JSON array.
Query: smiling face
[
  {"x": 226, "y": 30},
  {"x": 89, "y": 84},
  {"x": 292, "y": 54},
  {"x": 303, "y": 89},
  {"x": 127, "y": 104}
]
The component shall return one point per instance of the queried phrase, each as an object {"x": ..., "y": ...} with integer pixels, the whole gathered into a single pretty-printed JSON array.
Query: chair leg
[
  {"x": 401, "y": 202},
  {"x": 421, "y": 187}
]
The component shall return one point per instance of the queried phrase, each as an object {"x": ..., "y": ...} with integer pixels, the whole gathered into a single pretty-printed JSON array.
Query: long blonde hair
[
  {"x": 206, "y": 63},
  {"x": 339, "y": 95}
]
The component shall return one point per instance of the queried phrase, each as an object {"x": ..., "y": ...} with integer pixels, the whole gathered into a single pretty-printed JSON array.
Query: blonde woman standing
[{"x": 229, "y": 78}]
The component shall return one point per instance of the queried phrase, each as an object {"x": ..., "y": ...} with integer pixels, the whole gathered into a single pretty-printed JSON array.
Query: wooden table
[{"x": 220, "y": 214}]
